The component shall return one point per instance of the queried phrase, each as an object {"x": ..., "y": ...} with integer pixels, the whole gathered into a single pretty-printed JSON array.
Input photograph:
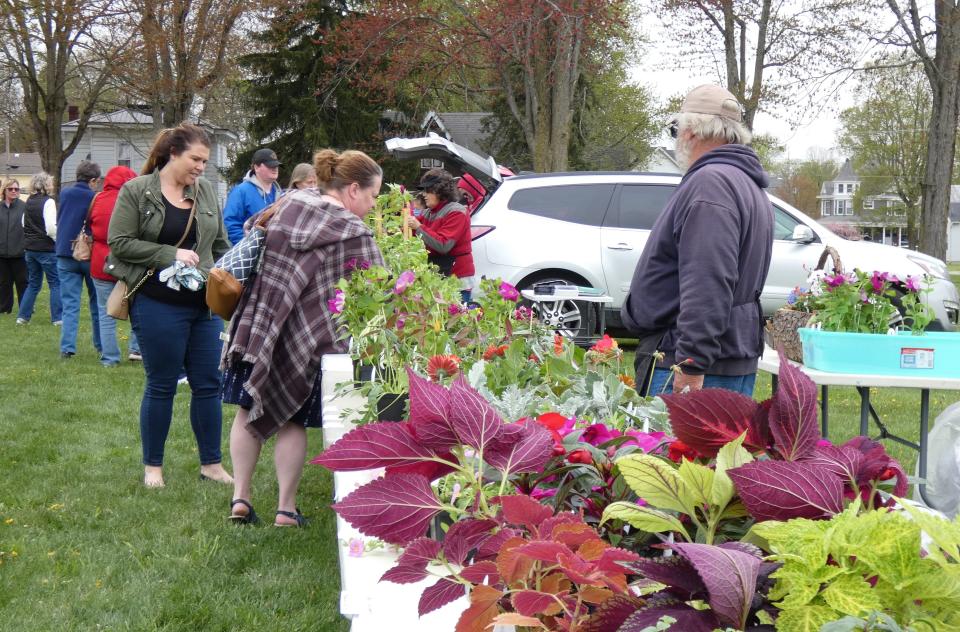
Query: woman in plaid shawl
[{"x": 283, "y": 327}]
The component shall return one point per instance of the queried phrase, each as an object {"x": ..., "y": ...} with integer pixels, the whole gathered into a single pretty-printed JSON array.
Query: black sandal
[
  {"x": 293, "y": 515},
  {"x": 250, "y": 518}
]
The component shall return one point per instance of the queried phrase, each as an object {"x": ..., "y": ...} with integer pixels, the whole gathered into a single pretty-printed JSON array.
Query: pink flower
[
  {"x": 453, "y": 310},
  {"x": 541, "y": 494},
  {"x": 350, "y": 265},
  {"x": 913, "y": 283},
  {"x": 605, "y": 344},
  {"x": 647, "y": 441},
  {"x": 336, "y": 304},
  {"x": 405, "y": 280},
  {"x": 598, "y": 433},
  {"x": 836, "y": 280},
  {"x": 401, "y": 321},
  {"x": 522, "y": 313},
  {"x": 364, "y": 265},
  {"x": 878, "y": 280},
  {"x": 508, "y": 292}
]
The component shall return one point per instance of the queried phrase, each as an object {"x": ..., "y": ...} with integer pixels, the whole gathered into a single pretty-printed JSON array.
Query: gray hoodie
[{"x": 704, "y": 265}]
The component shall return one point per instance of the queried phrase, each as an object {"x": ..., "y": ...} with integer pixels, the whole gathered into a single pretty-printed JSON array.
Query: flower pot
[
  {"x": 392, "y": 407},
  {"x": 361, "y": 373},
  {"x": 783, "y": 331},
  {"x": 934, "y": 354}
]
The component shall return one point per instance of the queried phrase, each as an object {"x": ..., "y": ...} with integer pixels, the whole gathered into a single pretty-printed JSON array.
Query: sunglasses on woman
[{"x": 13, "y": 188}]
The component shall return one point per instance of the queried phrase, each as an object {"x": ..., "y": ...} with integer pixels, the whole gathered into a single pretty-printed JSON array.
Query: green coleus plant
[{"x": 903, "y": 564}]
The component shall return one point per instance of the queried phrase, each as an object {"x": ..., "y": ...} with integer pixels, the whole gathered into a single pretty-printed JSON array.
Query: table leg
[
  {"x": 864, "y": 410},
  {"x": 922, "y": 458},
  {"x": 824, "y": 412}
]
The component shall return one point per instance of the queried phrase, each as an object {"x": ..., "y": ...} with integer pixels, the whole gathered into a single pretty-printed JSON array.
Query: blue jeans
[
  {"x": 737, "y": 383},
  {"x": 73, "y": 276},
  {"x": 173, "y": 337},
  {"x": 39, "y": 264},
  {"x": 110, "y": 350}
]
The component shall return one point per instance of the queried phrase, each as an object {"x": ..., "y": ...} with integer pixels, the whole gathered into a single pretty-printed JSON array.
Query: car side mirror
[{"x": 802, "y": 234}]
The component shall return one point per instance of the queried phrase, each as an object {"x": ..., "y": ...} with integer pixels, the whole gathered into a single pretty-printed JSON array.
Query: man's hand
[{"x": 683, "y": 381}]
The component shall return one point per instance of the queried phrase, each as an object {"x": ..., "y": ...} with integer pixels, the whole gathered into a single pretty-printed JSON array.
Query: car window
[
  {"x": 639, "y": 205},
  {"x": 784, "y": 224},
  {"x": 579, "y": 203}
]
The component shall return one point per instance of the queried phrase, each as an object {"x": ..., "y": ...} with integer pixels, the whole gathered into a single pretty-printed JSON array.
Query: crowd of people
[{"x": 156, "y": 236}]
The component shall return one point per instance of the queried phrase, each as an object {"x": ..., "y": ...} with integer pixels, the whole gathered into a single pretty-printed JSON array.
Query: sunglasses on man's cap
[{"x": 673, "y": 128}]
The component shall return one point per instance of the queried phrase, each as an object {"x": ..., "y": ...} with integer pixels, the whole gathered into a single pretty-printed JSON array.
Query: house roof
[
  {"x": 846, "y": 173},
  {"x": 463, "y": 128},
  {"x": 135, "y": 117},
  {"x": 20, "y": 163}
]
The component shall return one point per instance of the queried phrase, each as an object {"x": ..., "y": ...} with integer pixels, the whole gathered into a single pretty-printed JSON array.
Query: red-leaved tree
[{"x": 530, "y": 52}]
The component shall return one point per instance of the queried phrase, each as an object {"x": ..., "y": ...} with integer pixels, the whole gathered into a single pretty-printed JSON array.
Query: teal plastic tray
[{"x": 934, "y": 354}]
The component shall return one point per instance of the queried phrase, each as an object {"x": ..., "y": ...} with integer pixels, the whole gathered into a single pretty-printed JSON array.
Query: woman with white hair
[{"x": 39, "y": 241}]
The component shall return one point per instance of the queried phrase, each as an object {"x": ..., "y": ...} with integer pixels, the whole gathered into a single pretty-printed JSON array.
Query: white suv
[{"x": 589, "y": 228}]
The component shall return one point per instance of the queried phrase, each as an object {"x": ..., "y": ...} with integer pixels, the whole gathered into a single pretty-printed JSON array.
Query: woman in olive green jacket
[{"x": 170, "y": 218}]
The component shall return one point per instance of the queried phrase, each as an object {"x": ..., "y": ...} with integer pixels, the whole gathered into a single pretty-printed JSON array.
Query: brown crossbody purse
[{"x": 118, "y": 303}]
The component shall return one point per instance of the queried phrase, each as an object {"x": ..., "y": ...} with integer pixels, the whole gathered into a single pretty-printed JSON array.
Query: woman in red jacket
[
  {"x": 444, "y": 228},
  {"x": 100, "y": 213}
]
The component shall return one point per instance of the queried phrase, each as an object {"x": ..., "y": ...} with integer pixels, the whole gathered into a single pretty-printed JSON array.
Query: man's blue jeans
[
  {"x": 173, "y": 337},
  {"x": 110, "y": 348},
  {"x": 73, "y": 276},
  {"x": 737, "y": 383},
  {"x": 39, "y": 264}
]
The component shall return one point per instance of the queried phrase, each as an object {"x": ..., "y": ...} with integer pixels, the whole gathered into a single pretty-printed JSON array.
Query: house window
[
  {"x": 124, "y": 154},
  {"x": 825, "y": 208},
  {"x": 868, "y": 205}
]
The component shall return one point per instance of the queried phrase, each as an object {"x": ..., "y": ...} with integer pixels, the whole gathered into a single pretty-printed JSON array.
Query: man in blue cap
[{"x": 258, "y": 190}]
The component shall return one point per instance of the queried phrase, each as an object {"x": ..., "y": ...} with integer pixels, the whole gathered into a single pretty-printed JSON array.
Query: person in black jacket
[
  {"x": 39, "y": 233},
  {"x": 695, "y": 293},
  {"x": 13, "y": 269}
]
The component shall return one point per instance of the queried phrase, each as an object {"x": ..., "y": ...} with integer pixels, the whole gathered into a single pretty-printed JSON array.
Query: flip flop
[
  {"x": 300, "y": 519},
  {"x": 249, "y": 518}
]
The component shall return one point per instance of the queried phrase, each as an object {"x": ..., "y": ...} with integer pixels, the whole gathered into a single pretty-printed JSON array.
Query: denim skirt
[{"x": 310, "y": 414}]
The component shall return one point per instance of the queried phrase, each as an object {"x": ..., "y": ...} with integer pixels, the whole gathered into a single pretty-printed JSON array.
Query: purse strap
[{"x": 86, "y": 220}]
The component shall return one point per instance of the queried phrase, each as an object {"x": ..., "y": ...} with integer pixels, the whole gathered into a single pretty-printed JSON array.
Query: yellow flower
[{"x": 8, "y": 521}]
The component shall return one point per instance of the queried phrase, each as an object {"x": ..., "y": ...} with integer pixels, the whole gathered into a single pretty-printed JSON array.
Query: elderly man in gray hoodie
[{"x": 695, "y": 295}]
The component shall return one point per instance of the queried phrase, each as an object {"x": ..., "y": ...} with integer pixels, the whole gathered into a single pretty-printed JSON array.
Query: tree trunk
[{"x": 940, "y": 154}]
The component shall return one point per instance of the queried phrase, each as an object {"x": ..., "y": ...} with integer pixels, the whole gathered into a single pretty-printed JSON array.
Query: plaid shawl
[{"x": 283, "y": 325}]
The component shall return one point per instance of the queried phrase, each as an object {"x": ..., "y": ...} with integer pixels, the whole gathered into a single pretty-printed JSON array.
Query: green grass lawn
[{"x": 84, "y": 546}]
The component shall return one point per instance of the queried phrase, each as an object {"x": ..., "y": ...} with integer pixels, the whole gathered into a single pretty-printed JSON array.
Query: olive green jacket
[{"x": 136, "y": 222}]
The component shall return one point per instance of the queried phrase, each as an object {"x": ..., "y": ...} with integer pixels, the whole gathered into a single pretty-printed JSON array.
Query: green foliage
[
  {"x": 704, "y": 495},
  {"x": 294, "y": 113},
  {"x": 859, "y": 564}
]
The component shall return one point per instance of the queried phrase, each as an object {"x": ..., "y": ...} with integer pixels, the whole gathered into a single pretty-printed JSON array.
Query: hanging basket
[{"x": 785, "y": 322}]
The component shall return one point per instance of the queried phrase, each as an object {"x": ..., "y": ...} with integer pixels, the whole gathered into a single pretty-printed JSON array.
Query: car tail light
[{"x": 476, "y": 232}]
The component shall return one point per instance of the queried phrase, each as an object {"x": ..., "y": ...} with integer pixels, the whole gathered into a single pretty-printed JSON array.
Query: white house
[
  {"x": 873, "y": 221},
  {"x": 662, "y": 160},
  {"x": 124, "y": 137},
  {"x": 953, "y": 225}
]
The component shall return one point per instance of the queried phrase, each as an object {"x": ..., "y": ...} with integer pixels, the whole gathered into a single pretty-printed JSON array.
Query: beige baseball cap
[{"x": 711, "y": 99}]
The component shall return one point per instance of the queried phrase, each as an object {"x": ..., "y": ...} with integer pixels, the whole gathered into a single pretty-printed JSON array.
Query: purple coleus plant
[
  {"x": 449, "y": 430},
  {"x": 801, "y": 478}
]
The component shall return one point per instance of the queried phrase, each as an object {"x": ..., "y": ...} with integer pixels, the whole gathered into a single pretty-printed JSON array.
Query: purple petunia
[
  {"x": 508, "y": 292},
  {"x": 401, "y": 321},
  {"x": 364, "y": 265},
  {"x": 350, "y": 265},
  {"x": 913, "y": 283},
  {"x": 836, "y": 280},
  {"x": 522, "y": 313},
  {"x": 405, "y": 280},
  {"x": 337, "y": 303},
  {"x": 878, "y": 280}
]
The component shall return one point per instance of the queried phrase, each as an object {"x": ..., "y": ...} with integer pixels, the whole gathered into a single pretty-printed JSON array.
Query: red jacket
[
  {"x": 445, "y": 230},
  {"x": 100, "y": 214}
]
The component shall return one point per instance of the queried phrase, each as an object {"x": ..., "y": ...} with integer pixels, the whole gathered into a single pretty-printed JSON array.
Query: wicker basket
[
  {"x": 783, "y": 331},
  {"x": 785, "y": 322}
]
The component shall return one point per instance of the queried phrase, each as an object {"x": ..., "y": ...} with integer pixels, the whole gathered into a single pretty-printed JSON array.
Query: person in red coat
[
  {"x": 100, "y": 213},
  {"x": 444, "y": 228}
]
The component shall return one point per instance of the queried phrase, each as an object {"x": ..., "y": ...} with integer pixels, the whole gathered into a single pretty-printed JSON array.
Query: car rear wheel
[{"x": 565, "y": 316}]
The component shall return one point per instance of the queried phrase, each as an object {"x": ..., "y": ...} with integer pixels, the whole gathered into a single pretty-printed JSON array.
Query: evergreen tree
[{"x": 295, "y": 114}]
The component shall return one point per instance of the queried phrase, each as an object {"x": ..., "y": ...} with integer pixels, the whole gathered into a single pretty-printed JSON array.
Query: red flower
[
  {"x": 440, "y": 366},
  {"x": 605, "y": 344},
  {"x": 494, "y": 351},
  {"x": 557, "y": 344},
  {"x": 580, "y": 456},
  {"x": 680, "y": 450},
  {"x": 552, "y": 421}
]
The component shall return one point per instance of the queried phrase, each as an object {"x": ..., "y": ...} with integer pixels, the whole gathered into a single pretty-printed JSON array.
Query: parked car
[{"x": 589, "y": 228}]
